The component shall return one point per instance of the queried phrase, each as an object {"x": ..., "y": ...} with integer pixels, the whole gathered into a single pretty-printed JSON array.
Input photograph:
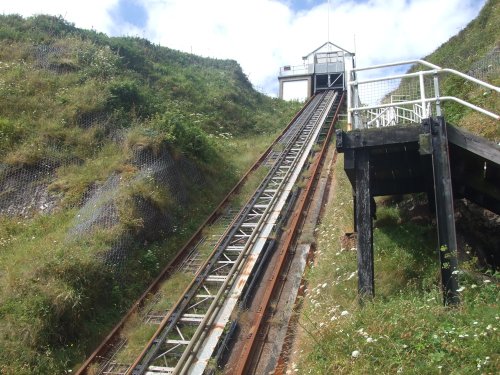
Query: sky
[{"x": 263, "y": 35}]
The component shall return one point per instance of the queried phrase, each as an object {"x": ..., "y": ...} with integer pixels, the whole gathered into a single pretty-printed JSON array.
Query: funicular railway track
[{"x": 188, "y": 334}]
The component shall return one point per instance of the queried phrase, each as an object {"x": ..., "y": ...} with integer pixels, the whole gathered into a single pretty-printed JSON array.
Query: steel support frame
[
  {"x": 102, "y": 357},
  {"x": 206, "y": 292}
]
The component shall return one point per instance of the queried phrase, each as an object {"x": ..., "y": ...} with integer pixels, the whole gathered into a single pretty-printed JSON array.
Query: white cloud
[{"x": 263, "y": 35}]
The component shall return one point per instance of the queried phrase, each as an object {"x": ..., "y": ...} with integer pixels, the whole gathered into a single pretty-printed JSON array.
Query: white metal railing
[
  {"x": 411, "y": 100},
  {"x": 292, "y": 70}
]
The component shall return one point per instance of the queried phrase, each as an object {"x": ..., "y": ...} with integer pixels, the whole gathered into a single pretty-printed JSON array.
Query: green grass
[
  {"x": 88, "y": 108},
  {"x": 136, "y": 332},
  {"x": 405, "y": 329}
]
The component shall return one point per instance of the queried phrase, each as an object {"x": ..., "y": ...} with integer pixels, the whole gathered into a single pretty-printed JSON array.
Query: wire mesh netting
[
  {"x": 24, "y": 190},
  {"x": 27, "y": 189},
  {"x": 383, "y": 100},
  {"x": 52, "y": 58},
  {"x": 487, "y": 67},
  {"x": 392, "y": 94}
]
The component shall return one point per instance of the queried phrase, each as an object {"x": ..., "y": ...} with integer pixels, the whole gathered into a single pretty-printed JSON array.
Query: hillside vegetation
[
  {"x": 475, "y": 50},
  {"x": 406, "y": 329},
  {"x": 112, "y": 151}
]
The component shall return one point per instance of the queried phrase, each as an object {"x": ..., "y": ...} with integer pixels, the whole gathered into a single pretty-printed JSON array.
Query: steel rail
[
  {"x": 203, "y": 350},
  {"x": 109, "y": 341},
  {"x": 246, "y": 237},
  {"x": 285, "y": 245}
]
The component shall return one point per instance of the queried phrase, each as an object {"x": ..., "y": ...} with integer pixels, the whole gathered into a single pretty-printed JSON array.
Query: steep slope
[
  {"x": 112, "y": 150},
  {"x": 476, "y": 51}
]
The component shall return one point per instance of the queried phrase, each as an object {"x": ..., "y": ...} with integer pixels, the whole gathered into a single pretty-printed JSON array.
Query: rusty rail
[
  {"x": 112, "y": 338},
  {"x": 288, "y": 237}
]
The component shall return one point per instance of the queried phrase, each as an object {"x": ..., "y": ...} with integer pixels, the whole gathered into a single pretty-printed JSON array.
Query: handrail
[
  {"x": 430, "y": 72},
  {"x": 430, "y": 100},
  {"x": 407, "y": 62},
  {"x": 354, "y": 106}
]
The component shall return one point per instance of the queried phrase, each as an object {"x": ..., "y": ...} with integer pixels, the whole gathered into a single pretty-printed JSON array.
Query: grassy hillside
[
  {"x": 475, "y": 50},
  {"x": 112, "y": 151},
  {"x": 406, "y": 329}
]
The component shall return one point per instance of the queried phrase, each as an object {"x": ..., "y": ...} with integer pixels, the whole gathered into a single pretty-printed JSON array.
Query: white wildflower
[
  {"x": 351, "y": 276},
  {"x": 355, "y": 354}
]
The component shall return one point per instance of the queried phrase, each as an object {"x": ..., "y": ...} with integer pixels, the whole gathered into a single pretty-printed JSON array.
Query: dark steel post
[
  {"x": 364, "y": 227},
  {"x": 445, "y": 213}
]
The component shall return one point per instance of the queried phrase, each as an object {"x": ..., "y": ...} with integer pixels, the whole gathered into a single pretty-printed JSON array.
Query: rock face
[{"x": 24, "y": 193}]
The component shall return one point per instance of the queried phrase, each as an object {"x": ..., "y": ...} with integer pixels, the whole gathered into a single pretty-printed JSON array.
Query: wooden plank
[
  {"x": 479, "y": 146},
  {"x": 364, "y": 226},
  {"x": 391, "y": 135},
  {"x": 445, "y": 213}
]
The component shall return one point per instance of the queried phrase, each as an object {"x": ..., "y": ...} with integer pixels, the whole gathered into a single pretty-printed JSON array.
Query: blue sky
[
  {"x": 263, "y": 35},
  {"x": 131, "y": 12},
  {"x": 302, "y": 4}
]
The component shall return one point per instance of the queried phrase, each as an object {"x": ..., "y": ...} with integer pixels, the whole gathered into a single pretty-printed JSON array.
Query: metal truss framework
[{"x": 186, "y": 330}]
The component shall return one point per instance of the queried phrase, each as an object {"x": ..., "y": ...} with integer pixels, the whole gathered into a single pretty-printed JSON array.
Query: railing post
[
  {"x": 357, "y": 122},
  {"x": 349, "y": 98},
  {"x": 422, "y": 95},
  {"x": 436, "y": 94}
]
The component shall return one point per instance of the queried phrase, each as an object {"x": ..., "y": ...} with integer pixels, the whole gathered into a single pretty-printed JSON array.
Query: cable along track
[{"x": 187, "y": 336}]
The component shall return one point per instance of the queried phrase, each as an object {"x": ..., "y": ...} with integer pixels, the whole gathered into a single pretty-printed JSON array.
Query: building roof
[{"x": 329, "y": 44}]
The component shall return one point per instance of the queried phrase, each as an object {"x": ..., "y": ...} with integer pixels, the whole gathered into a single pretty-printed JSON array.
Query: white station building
[{"x": 322, "y": 69}]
